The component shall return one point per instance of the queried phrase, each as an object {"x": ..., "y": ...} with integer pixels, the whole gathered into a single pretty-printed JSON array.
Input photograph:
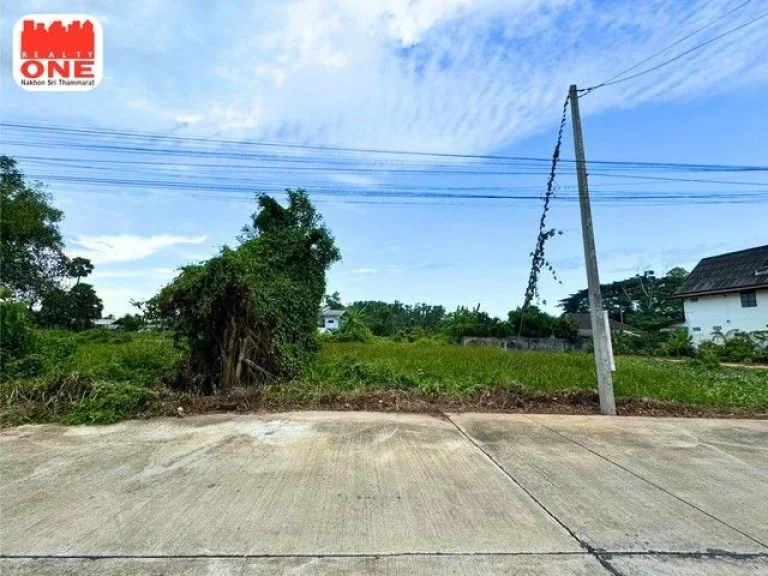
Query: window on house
[
  {"x": 748, "y": 299},
  {"x": 717, "y": 327},
  {"x": 696, "y": 329}
]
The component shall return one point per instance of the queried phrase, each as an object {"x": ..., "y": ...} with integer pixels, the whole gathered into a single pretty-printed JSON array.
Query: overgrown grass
[
  {"x": 102, "y": 377},
  {"x": 94, "y": 377},
  {"x": 445, "y": 369}
]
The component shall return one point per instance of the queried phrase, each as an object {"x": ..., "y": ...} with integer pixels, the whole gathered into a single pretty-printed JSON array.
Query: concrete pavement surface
[{"x": 372, "y": 493}]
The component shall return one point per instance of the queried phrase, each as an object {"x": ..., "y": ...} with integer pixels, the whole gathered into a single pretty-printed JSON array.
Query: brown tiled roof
[
  {"x": 728, "y": 272},
  {"x": 583, "y": 321}
]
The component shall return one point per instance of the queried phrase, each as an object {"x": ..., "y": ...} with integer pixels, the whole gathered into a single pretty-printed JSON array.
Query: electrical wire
[
  {"x": 590, "y": 89},
  {"x": 294, "y": 159},
  {"x": 676, "y": 43}
]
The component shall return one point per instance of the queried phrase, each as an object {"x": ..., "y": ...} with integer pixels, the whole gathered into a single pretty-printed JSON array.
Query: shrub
[
  {"x": 680, "y": 344},
  {"x": 16, "y": 327},
  {"x": 353, "y": 329},
  {"x": 737, "y": 347},
  {"x": 16, "y": 332},
  {"x": 29, "y": 366},
  {"x": 709, "y": 354},
  {"x": 110, "y": 402}
]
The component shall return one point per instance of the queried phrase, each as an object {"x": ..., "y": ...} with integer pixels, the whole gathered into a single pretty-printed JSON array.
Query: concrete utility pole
[{"x": 600, "y": 328}]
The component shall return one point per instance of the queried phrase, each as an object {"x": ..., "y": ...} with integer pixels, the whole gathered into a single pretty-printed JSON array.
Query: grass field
[
  {"x": 460, "y": 370},
  {"x": 102, "y": 377}
]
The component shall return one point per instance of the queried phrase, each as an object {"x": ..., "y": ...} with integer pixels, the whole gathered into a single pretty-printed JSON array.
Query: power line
[
  {"x": 586, "y": 91},
  {"x": 680, "y": 41},
  {"x": 67, "y": 163},
  {"x": 618, "y": 196},
  {"x": 216, "y": 153}
]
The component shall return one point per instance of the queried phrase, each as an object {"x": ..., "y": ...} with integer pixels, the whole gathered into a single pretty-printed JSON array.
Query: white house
[
  {"x": 330, "y": 320},
  {"x": 726, "y": 294}
]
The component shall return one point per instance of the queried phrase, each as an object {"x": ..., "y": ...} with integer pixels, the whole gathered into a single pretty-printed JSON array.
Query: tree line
[
  {"x": 643, "y": 301},
  {"x": 36, "y": 273}
]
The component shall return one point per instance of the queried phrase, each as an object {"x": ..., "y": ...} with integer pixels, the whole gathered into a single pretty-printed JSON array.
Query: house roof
[
  {"x": 329, "y": 313},
  {"x": 728, "y": 273},
  {"x": 584, "y": 322}
]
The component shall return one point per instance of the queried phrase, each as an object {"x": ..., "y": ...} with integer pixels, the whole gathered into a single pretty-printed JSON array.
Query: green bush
[
  {"x": 680, "y": 344},
  {"x": 110, "y": 402},
  {"x": 736, "y": 347},
  {"x": 29, "y": 366},
  {"x": 15, "y": 332},
  {"x": 353, "y": 329}
]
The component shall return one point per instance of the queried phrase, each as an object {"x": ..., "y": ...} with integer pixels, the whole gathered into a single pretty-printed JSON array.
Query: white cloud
[
  {"x": 126, "y": 247},
  {"x": 354, "y": 179},
  {"x": 444, "y": 75},
  {"x": 461, "y": 75},
  {"x": 387, "y": 270}
]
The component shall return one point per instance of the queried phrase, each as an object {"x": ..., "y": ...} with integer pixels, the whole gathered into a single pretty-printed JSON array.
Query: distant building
[
  {"x": 330, "y": 320},
  {"x": 583, "y": 322},
  {"x": 726, "y": 294},
  {"x": 108, "y": 323}
]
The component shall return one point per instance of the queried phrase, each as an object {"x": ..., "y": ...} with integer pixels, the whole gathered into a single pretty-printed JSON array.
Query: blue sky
[{"x": 453, "y": 76}]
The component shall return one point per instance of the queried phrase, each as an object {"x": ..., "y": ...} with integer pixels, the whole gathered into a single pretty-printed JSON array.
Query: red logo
[{"x": 58, "y": 52}]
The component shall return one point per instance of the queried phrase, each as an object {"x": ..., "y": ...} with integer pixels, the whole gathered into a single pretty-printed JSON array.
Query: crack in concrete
[
  {"x": 585, "y": 545},
  {"x": 644, "y": 479}
]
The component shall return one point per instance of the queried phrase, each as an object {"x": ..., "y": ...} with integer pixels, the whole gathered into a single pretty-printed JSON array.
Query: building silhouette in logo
[{"x": 76, "y": 40}]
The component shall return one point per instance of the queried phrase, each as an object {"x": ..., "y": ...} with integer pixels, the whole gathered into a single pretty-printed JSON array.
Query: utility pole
[{"x": 600, "y": 327}]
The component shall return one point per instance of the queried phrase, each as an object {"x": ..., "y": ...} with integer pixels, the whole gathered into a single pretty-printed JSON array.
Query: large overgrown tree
[
  {"x": 250, "y": 313},
  {"x": 31, "y": 246}
]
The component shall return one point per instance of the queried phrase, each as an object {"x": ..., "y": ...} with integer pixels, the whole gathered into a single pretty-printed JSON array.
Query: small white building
[
  {"x": 330, "y": 320},
  {"x": 108, "y": 323},
  {"x": 726, "y": 294}
]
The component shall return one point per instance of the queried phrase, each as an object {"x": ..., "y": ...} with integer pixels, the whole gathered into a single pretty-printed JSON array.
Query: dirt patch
[{"x": 512, "y": 400}]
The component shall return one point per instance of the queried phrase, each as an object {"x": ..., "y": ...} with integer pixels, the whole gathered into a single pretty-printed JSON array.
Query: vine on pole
[{"x": 538, "y": 260}]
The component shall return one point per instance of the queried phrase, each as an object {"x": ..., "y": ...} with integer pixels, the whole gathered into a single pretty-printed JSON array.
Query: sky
[{"x": 462, "y": 77}]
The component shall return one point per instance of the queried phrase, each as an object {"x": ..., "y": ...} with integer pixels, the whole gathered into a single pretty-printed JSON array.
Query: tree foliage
[
  {"x": 644, "y": 300},
  {"x": 73, "y": 309},
  {"x": 250, "y": 313},
  {"x": 392, "y": 318},
  {"x": 132, "y": 322},
  {"x": 473, "y": 322},
  {"x": 333, "y": 301},
  {"x": 539, "y": 324},
  {"x": 78, "y": 268},
  {"x": 31, "y": 246}
]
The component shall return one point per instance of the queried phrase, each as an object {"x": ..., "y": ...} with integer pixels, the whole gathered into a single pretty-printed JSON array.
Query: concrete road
[{"x": 369, "y": 493}]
